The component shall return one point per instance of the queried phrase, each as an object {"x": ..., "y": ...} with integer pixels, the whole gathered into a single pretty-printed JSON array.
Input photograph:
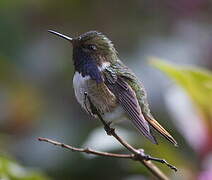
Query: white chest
[{"x": 80, "y": 87}]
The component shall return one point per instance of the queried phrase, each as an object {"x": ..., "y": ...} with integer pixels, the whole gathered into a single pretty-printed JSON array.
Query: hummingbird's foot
[
  {"x": 148, "y": 157},
  {"x": 94, "y": 110},
  {"x": 109, "y": 130}
]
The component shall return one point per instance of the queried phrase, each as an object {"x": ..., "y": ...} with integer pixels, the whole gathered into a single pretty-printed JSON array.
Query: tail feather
[{"x": 161, "y": 130}]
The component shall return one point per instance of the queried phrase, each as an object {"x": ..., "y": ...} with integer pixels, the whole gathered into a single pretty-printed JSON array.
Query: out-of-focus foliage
[
  {"x": 11, "y": 170},
  {"x": 197, "y": 83}
]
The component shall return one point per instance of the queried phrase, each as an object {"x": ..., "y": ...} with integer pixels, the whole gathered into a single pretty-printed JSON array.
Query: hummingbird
[{"x": 112, "y": 87}]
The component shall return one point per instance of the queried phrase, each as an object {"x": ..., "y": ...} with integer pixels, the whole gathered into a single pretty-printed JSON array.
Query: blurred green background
[{"x": 37, "y": 97}]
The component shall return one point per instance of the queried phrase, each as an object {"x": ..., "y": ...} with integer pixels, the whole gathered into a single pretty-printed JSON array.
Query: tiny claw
[
  {"x": 109, "y": 123},
  {"x": 85, "y": 93},
  {"x": 108, "y": 129}
]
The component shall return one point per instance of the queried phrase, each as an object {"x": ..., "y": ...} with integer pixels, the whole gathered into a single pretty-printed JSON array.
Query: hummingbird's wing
[
  {"x": 142, "y": 99},
  {"x": 127, "y": 99},
  {"x": 122, "y": 76}
]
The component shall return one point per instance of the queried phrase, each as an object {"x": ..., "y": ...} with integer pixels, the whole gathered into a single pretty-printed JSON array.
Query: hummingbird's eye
[{"x": 91, "y": 47}]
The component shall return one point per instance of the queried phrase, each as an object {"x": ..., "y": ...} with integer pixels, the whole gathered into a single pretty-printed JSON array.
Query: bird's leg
[
  {"x": 108, "y": 129},
  {"x": 139, "y": 154},
  {"x": 95, "y": 111},
  {"x": 147, "y": 157},
  {"x": 85, "y": 103}
]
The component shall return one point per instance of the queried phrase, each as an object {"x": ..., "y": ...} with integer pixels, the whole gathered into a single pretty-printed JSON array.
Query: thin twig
[
  {"x": 137, "y": 154},
  {"x": 87, "y": 150},
  {"x": 146, "y": 162}
]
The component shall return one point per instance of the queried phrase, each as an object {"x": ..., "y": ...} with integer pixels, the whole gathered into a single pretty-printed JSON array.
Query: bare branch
[
  {"x": 87, "y": 150},
  {"x": 145, "y": 158},
  {"x": 137, "y": 154}
]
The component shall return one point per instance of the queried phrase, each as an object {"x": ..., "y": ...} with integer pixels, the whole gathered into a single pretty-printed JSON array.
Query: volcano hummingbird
[{"x": 112, "y": 87}]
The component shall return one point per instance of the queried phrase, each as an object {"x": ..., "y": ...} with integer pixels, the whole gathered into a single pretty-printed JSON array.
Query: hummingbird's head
[
  {"x": 96, "y": 44},
  {"x": 92, "y": 52}
]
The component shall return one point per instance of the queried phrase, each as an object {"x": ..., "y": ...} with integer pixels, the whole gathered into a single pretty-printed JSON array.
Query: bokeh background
[{"x": 37, "y": 97}]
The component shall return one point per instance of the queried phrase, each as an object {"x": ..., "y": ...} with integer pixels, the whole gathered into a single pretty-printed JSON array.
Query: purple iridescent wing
[{"x": 127, "y": 99}]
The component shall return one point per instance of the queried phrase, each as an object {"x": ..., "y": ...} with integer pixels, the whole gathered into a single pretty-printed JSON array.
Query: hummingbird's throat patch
[{"x": 86, "y": 65}]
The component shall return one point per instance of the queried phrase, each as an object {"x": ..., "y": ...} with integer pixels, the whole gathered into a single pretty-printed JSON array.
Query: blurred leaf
[
  {"x": 11, "y": 170},
  {"x": 197, "y": 82},
  {"x": 7, "y": 71}
]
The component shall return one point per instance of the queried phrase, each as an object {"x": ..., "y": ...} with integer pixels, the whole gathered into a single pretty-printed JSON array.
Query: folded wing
[{"x": 127, "y": 99}]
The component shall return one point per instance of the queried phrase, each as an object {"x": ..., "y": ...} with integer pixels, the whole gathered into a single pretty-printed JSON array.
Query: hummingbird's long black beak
[{"x": 61, "y": 35}]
